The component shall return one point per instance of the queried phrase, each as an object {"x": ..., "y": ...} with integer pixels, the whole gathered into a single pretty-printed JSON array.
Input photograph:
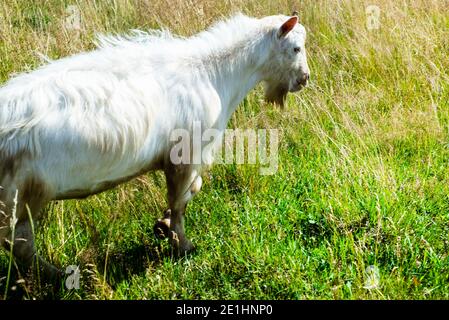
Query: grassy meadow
[{"x": 363, "y": 178}]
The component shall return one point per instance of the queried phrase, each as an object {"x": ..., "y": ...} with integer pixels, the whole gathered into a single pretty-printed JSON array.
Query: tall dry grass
[{"x": 363, "y": 172}]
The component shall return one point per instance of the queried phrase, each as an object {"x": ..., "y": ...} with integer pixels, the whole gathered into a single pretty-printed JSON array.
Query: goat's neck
[{"x": 237, "y": 72}]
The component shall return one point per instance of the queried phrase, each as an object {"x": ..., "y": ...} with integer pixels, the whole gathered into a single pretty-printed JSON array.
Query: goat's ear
[{"x": 287, "y": 26}]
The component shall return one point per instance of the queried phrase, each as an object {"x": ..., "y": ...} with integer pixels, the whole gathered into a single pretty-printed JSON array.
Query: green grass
[{"x": 363, "y": 165}]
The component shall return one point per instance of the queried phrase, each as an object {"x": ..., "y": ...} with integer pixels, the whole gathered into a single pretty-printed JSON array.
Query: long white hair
[{"x": 88, "y": 88}]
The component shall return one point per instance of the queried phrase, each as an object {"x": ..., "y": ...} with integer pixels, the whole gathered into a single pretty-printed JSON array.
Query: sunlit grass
[{"x": 363, "y": 164}]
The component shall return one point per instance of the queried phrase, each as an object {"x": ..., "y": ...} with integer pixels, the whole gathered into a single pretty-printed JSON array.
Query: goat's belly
[
  {"x": 84, "y": 176},
  {"x": 91, "y": 187},
  {"x": 81, "y": 193}
]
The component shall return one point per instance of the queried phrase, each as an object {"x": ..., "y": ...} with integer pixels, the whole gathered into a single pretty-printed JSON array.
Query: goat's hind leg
[
  {"x": 29, "y": 262},
  {"x": 18, "y": 235}
]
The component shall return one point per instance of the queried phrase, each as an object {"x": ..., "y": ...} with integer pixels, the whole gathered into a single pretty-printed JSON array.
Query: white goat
[{"x": 84, "y": 124}]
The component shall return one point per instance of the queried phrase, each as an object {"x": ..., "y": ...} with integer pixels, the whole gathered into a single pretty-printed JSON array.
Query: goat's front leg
[{"x": 183, "y": 182}]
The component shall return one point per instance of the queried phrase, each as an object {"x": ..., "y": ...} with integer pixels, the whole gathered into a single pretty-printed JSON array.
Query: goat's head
[{"x": 288, "y": 70}]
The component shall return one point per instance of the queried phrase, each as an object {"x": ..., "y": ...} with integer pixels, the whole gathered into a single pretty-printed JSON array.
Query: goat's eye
[{"x": 297, "y": 49}]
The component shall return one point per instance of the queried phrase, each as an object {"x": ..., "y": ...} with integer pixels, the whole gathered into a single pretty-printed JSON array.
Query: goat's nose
[{"x": 305, "y": 77}]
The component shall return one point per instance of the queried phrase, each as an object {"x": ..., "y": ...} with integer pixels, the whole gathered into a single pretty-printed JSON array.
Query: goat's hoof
[
  {"x": 37, "y": 271},
  {"x": 162, "y": 226},
  {"x": 48, "y": 273},
  {"x": 181, "y": 248}
]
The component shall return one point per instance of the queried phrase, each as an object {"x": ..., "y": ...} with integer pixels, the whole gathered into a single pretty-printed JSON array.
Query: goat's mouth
[
  {"x": 299, "y": 85},
  {"x": 297, "y": 88}
]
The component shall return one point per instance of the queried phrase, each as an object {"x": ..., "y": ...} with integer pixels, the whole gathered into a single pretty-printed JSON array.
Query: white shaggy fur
[
  {"x": 106, "y": 114},
  {"x": 83, "y": 123}
]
